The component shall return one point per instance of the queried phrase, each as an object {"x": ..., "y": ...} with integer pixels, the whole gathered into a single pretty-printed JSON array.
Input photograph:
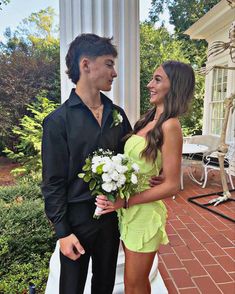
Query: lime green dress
[{"x": 142, "y": 226}]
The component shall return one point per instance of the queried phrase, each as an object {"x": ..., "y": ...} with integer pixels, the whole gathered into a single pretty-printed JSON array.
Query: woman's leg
[{"x": 137, "y": 268}]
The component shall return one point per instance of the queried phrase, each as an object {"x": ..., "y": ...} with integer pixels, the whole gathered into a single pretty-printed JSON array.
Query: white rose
[
  {"x": 108, "y": 167},
  {"x": 107, "y": 187},
  {"x": 114, "y": 175},
  {"x": 121, "y": 169},
  {"x": 121, "y": 156},
  {"x": 94, "y": 167},
  {"x": 121, "y": 180},
  {"x": 117, "y": 159},
  {"x": 114, "y": 188},
  {"x": 106, "y": 159},
  {"x": 135, "y": 167},
  {"x": 106, "y": 178},
  {"x": 134, "y": 179},
  {"x": 96, "y": 159}
]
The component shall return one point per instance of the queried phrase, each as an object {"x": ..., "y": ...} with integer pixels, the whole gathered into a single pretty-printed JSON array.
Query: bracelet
[{"x": 126, "y": 204}]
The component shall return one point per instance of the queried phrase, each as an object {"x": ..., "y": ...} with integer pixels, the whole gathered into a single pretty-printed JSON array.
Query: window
[{"x": 219, "y": 93}]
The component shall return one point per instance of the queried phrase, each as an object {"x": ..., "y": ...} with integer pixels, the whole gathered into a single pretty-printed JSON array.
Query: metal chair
[
  {"x": 211, "y": 162},
  {"x": 211, "y": 141},
  {"x": 195, "y": 160}
]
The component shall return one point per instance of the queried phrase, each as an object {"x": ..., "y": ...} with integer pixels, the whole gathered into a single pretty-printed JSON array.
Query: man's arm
[
  {"x": 55, "y": 164},
  {"x": 55, "y": 160}
]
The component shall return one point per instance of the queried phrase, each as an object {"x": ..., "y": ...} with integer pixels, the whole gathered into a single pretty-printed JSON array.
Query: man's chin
[{"x": 106, "y": 89}]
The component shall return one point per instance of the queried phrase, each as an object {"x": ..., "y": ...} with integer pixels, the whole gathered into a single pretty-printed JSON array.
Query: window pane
[{"x": 219, "y": 93}]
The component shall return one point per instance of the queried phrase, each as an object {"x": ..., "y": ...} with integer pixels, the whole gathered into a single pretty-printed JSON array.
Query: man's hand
[
  {"x": 71, "y": 247},
  {"x": 156, "y": 180}
]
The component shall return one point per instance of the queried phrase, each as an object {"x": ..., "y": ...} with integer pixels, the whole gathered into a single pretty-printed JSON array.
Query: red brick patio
[{"x": 200, "y": 257}]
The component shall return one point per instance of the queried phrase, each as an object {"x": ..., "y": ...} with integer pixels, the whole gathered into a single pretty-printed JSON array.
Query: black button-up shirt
[{"x": 70, "y": 134}]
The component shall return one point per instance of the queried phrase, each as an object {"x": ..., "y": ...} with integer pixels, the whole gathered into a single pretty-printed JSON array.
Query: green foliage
[
  {"x": 21, "y": 274},
  {"x": 156, "y": 46},
  {"x": 26, "y": 243},
  {"x": 3, "y": 2},
  {"x": 29, "y": 62},
  {"x": 28, "y": 149},
  {"x": 182, "y": 15},
  {"x": 26, "y": 229},
  {"x": 25, "y": 188},
  {"x": 26, "y": 238}
]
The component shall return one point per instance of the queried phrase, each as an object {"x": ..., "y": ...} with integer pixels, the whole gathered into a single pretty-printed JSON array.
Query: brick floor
[{"x": 200, "y": 257}]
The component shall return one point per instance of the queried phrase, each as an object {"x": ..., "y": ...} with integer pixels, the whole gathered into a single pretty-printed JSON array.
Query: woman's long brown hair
[{"x": 182, "y": 82}]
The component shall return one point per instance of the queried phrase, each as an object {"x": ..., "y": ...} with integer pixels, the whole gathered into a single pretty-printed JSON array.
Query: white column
[{"x": 110, "y": 18}]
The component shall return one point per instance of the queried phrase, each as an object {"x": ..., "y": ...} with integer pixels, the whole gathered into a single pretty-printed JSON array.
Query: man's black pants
[{"x": 100, "y": 239}]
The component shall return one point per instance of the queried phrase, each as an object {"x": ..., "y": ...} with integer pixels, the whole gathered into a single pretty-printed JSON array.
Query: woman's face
[{"x": 159, "y": 86}]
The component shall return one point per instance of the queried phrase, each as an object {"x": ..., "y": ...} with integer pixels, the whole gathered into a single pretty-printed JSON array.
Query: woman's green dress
[{"x": 142, "y": 226}]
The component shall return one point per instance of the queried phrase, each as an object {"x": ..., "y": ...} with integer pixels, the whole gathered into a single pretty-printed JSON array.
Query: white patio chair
[
  {"x": 211, "y": 141},
  {"x": 211, "y": 162},
  {"x": 195, "y": 160}
]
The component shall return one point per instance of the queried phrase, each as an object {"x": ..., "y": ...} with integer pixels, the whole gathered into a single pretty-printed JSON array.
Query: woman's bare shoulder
[{"x": 171, "y": 124}]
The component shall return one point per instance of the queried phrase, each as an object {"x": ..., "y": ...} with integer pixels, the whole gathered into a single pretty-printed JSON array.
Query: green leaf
[
  {"x": 81, "y": 175},
  {"x": 111, "y": 198},
  {"x": 121, "y": 194},
  {"x": 86, "y": 167},
  {"x": 94, "y": 193},
  {"x": 87, "y": 178},
  {"x": 92, "y": 184}
]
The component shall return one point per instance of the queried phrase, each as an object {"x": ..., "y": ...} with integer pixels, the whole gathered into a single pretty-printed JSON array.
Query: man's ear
[{"x": 85, "y": 65}]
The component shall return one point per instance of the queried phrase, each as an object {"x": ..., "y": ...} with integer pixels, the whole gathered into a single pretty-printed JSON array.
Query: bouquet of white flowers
[{"x": 111, "y": 175}]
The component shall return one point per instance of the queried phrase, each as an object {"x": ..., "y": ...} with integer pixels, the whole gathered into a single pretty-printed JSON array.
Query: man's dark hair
[{"x": 86, "y": 45}]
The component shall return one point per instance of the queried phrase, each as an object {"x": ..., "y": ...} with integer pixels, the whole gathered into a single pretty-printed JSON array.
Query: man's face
[{"x": 102, "y": 72}]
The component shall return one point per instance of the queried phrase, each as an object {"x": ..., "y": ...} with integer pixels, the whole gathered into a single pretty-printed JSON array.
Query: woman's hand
[{"x": 108, "y": 206}]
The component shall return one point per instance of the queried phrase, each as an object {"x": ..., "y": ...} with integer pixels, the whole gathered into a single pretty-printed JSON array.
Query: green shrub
[
  {"x": 21, "y": 191},
  {"x": 24, "y": 231},
  {"x": 26, "y": 237},
  {"x": 28, "y": 150},
  {"x": 17, "y": 279}
]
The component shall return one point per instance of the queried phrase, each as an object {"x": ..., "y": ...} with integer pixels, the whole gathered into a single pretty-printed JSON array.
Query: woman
[{"x": 155, "y": 143}]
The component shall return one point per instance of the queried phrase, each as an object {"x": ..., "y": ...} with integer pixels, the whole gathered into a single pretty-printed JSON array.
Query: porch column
[{"x": 110, "y": 18}]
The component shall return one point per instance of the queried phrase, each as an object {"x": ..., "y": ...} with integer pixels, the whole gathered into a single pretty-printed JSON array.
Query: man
[{"x": 78, "y": 127}]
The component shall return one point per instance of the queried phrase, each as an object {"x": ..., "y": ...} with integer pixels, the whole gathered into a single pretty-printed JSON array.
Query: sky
[{"x": 15, "y": 11}]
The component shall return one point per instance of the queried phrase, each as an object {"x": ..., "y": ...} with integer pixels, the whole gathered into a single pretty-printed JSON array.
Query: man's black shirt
[{"x": 70, "y": 134}]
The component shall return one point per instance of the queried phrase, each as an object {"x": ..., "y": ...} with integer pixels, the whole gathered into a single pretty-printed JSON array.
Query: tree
[
  {"x": 28, "y": 150},
  {"x": 182, "y": 15},
  {"x": 156, "y": 46},
  {"x": 3, "y": 2},
  {"x": 29, "y": 62}
]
